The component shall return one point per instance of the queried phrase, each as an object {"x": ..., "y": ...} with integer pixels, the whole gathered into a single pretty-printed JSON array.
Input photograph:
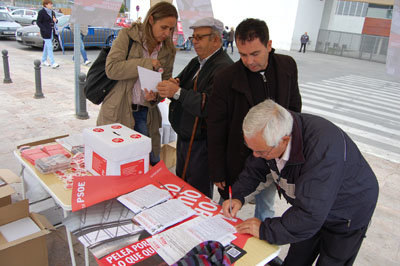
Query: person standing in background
[
  {"x": 46, "y": 20},
  {"x": 304, "y": 40},
  {"x": 152, "y": 48},
  {"x": 231, "y": 37},
  {"x": 225, "y": 37},
  {"x": 83, "y": 32}
]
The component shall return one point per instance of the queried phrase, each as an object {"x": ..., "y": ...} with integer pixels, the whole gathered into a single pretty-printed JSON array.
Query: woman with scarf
[{"x": 46, "y": 21}]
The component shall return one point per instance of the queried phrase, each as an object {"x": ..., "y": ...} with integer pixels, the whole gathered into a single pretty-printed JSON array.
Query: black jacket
[
  {"x": 228, "y": 105},
  {"x": 333, "y": 185},
  {"x": 45, "y": 23},
  {"x": 182, "y": 112}
]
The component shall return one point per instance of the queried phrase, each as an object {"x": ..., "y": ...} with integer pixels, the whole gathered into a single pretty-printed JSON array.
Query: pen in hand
[{"x": 230, "y": 200}]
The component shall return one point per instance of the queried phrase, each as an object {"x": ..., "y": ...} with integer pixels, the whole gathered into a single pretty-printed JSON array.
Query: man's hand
[
  {"x": 236, "y": 205},
  {"x": 150, "y": 95},
  {"x": 167, "y": 88},
  {"x": 220, "y": 185},
  {"x": 250, "y": 226}
]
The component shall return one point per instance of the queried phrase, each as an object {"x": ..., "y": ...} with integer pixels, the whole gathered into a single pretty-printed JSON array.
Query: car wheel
[
  {"x": 33, "y": 22},
  {"x": 56, "y": 43},
  {"x": 109, "y": 41}
]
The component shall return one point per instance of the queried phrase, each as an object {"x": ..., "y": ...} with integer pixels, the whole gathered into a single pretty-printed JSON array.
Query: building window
[
  {"x": 379, "y": 11},
  {"x": 351, "y": 8}
]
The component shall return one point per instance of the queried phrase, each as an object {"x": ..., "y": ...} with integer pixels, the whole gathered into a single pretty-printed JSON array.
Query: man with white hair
[
  {"x": 320, "y": 172},
  {"x": 189, "y": 93}
]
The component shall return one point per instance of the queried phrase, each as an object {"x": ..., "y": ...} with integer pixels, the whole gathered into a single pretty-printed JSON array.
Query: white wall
[
  {"x": 346, "y": 23},
  {"x": 279, "y": 16},
  {"x": 308, "y": 19}
]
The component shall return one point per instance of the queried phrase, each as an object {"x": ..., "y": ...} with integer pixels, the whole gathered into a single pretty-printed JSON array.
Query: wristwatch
[{"x": 177, "y": 94}]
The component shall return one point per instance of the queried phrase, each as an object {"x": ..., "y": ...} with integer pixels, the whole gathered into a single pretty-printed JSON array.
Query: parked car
[
  {"x": 123, "y": 22},
  {"x": 8, "y": 26},
  {"x": 25, "y": 16},
  {"x": 30, "y": 35}
]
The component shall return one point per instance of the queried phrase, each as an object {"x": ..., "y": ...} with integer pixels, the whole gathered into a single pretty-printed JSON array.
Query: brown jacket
[{"x": 117, "y": 105}]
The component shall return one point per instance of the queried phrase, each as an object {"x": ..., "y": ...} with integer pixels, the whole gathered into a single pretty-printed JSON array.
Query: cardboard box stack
[
  {"x": 115, "y": 149},
  {"x": 7, "y": 177},
  {"x": 18, "y": 244}
]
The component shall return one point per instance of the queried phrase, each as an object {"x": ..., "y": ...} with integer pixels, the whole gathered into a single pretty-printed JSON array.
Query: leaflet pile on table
[
  {"x": 176, "y": 242},
  {"x": 144, "y": 198},
  {"x": 156, "y": 210}
]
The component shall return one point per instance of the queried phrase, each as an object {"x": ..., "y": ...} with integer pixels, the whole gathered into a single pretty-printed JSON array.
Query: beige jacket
[{"x": 117, "y": 105}]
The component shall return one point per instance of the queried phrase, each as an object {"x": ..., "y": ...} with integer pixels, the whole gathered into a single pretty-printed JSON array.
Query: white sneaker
[
  {"x": 45, "y": 64},
  {"x": 55, "y": 65},
  {"x": 87, "y": 62}
]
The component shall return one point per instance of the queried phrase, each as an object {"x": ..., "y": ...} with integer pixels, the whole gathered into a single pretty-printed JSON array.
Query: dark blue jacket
[
  {"x": 182, "y": 112},
  {"x": 334, "y": 187},
  {"x": 45, "y": 23}
]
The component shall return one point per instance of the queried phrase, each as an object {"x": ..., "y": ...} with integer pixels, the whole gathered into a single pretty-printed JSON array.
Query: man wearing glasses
[
  {"x": 189, "y": 93},
  {"x": 320, "y": 172},
  {"x": 259, "y": 74}
]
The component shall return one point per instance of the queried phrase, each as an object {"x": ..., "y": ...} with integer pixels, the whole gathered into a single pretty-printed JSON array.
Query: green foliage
[{"x": 123, "y": 8}]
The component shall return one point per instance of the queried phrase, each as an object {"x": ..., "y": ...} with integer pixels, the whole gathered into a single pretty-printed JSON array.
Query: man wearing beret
[{"x": 189, "y": 93}]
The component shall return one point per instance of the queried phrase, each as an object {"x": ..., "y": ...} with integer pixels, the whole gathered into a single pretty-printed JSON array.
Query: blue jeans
[
  {"x": 48, "y": 50},
  {"x": 265, "y": 202},
  {"x": 83, "y": 52},
  {"x": 141, "y": 127}
]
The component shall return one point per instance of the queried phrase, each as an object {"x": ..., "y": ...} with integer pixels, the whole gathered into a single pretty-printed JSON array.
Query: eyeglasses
[
  {"x": 199, "y": 37},
  {"x": 260, "y": 153}
]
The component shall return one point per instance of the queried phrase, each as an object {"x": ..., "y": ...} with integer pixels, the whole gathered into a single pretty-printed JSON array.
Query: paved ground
[{"x": 23, "y": 118}]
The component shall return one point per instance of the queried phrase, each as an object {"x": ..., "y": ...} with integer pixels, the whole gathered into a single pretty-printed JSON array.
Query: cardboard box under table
[
  {"x": 28, "y": 250},
  {"x": 116, "y": 150},
  {"x": 6, "y": 190}
]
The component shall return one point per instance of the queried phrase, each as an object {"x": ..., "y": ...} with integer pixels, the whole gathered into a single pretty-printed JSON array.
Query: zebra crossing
[{"x": 367, "y": 109}]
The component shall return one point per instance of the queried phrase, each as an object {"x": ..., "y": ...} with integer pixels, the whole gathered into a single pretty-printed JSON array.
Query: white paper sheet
[
  {"x": 19, "y": 229},
  {"x": 144, "y": 198},
  {"x": 163, "y": 215},
  {"x": 148, "y": 79},
  {"x": 174, "y": 243}
]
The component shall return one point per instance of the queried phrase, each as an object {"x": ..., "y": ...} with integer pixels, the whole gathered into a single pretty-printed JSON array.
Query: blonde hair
[{"x": 159, "y": 11}]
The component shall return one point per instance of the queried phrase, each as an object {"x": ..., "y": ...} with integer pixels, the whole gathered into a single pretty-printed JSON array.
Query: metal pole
[
  {"x": 83, "y": 114},
  {"x": 77, "y": 60},
  {"x": 38, "y": 80},
  {"x": 6, "y": 68}
]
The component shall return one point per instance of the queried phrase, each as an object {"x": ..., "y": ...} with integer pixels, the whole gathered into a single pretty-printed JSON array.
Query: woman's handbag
[{"x": 97, "y": 84}]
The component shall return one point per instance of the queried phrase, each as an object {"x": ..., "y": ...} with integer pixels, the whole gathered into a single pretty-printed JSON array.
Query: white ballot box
[{"x": 115, "y": 149}]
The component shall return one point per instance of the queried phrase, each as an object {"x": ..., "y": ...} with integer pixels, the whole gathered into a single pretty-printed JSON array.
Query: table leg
[
  {"x": 71, "y": 247},
  {"x": 21, "y": 174},
  {"x": 86, "y": 256}
]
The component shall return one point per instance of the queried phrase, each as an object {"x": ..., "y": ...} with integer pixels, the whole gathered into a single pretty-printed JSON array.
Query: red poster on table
[{"x": 89, "y": 190}]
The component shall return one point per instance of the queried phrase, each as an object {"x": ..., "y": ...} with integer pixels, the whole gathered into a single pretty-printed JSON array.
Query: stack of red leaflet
[
  {"x": 31, "y": 155},
  {"x": 54, "y": 149}
]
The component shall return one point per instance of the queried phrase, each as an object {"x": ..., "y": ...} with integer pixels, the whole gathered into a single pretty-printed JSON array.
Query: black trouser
[
  {"x": 333, "y": 248},
  {"x": 197, "y": 174},
  {"x": 303, "y": 46}
]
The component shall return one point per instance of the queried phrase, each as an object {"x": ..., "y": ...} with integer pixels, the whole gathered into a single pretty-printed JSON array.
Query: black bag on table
[{"x": 97, "y": 84}]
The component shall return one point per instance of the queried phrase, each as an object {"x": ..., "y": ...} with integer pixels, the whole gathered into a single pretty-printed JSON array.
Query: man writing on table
[
  {"x": 189, "y": 99},
  {"x": 320, "y": 172}
]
